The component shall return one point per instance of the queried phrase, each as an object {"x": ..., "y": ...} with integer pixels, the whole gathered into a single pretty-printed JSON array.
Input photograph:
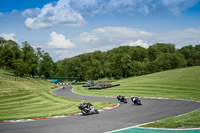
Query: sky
[{"x": 66, "y": 28}]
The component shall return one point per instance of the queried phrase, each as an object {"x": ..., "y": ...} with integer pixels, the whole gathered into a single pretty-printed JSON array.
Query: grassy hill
[
  {"x": 176, "y": 84},
  {"x": 22, "y": 99}
]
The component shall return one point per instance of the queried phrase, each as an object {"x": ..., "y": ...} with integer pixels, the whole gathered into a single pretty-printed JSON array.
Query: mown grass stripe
[
  {"x": 24, "y": 100},
  {"x": 15, "y": 98},
  {"x": 50, "y": 97}
]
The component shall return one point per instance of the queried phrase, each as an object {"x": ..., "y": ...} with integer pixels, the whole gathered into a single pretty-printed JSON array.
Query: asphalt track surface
[{"x": 125, "y": 115}]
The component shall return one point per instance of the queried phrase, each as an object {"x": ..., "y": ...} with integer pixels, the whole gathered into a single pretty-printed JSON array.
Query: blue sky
[{"x": 65, "y": 28}]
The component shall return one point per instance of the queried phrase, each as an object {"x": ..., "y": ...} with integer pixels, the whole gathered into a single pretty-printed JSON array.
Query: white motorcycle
[
  {"x": 87, "y": 109},
  {"x": 136, "y": 100}
]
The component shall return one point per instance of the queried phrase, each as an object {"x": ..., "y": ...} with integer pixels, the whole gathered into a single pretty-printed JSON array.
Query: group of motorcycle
[
  {"x": 88, "y": 108},
  {"x": 135, "y": 100}
]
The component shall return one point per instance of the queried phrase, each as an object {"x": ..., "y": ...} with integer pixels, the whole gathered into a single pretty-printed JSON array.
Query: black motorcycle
[
  {"x": 122, "y": 99},
  {"x": 136, "y": 100},
  {"x": 87, "y": 109}
]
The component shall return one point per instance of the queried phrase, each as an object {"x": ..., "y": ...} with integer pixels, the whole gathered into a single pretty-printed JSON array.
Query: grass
[
  {"x": 190, "y": 120},
  {"x": 174, "y": 84},
  {"x": 179, "y": 84},
  {"x": 24, "y": 99}
]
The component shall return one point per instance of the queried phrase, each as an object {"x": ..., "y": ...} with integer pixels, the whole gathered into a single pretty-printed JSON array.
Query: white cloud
[
  {"x": 60, "y": 14},
  {"x": 112, "y": 36},
  {"x": 31, "y": 12},
  {"x": 107, "y": 38},
  {"x": 9, "y": 36},
  {"x": 70, "y": 12},
  {"x": 59, "y": 41},
  {"x": 62, "y": 52},
  {"x": 137, "y": 43},
  {"x": 181, "y": 37}
]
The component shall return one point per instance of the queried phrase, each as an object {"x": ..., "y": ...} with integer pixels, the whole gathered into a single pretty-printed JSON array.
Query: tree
[
  {"x": 191, "y": 54},
  {"x": 196, "y": 56},
  {"x": 9, "y": 51},
  {"x": 30, "y": 58},
  {"x": 138, "y": 53},
  {"x": 167, "y": 61},
  {"x": 7, "y": 56},
  {"x": 137, "y": 68},
  {"x": 45, "y": 66},
  {"x": 20, "y": 67},
  {"x": 126, "y": 64},
  {"x": 159, "y": 48}
]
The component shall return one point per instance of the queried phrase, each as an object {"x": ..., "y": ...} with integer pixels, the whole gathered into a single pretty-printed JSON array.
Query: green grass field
[
  {"x": 174, "y": 84},
  {"x": 179, "y": 84},
  {"x": 23, "y": 99}
]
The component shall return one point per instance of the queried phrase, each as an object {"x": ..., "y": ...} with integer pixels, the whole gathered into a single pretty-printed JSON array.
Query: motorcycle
[
  {"x": 122, "y": 99},
  {"x": 87, "y": 109},
  {"x": 136, "y": 100}
]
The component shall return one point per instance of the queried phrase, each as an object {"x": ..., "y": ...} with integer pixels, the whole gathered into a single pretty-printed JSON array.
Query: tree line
[
  {"x": 127, "y": 61},
  {"x": 25, "y": 60},
  {"x": 121, "y": 62}
]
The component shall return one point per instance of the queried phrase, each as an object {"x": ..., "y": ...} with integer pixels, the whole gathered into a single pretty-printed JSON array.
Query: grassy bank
[
  {"x": 190, "y": 120},
  {"x": 179, "y": 84},
  {"x": 23, "y": 99},
  {"x": 175, "y": 84}
]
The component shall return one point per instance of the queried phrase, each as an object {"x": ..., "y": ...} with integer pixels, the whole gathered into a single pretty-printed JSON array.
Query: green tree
[
  {"x": 159, "y": 48},
  {"x": 30, "y": 57},
  {"x": 7, "y": 57},
  {"x": 138, "y": 68},
  {"x": 45, "y": 66},
  {"x": 196, "y": 56},
  {"x": 9, "y": 51},
  {"x": 138, "y": 53},
  {"x": 167, "y": 61},
  {"x": 191, "y": 54},
  {"x": 20, "y": 67},
  {"x": 126, "y": 64}
]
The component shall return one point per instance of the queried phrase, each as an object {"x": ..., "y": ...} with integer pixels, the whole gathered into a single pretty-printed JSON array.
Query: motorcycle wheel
[
  {"x": 96, "y": 111},
  {"x": 84, "y": 112},
  {"x": 139, "y": 102}
]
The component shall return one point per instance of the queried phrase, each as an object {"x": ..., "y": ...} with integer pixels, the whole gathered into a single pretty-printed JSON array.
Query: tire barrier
[
  {"x": 105, "y": 87},
  {"x": 63, "y": 84},
  {"x": 54, "y": 87}
]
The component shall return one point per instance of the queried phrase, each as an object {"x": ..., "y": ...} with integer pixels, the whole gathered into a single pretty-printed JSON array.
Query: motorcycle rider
[
  {"x": 82, "y": 103},
  {"x": 87, "y": 105},
  {"x": 87, "y": 108},
  {"x": 136, "y": 100},
  {"x": 121, "y": 98}
]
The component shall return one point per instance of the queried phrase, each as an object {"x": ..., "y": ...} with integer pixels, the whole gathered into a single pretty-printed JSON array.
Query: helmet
[{"x": 82, "y": 102}]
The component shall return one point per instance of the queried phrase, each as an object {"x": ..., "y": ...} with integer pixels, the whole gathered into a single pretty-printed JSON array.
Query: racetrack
[{"x": 125, "y": 115}]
